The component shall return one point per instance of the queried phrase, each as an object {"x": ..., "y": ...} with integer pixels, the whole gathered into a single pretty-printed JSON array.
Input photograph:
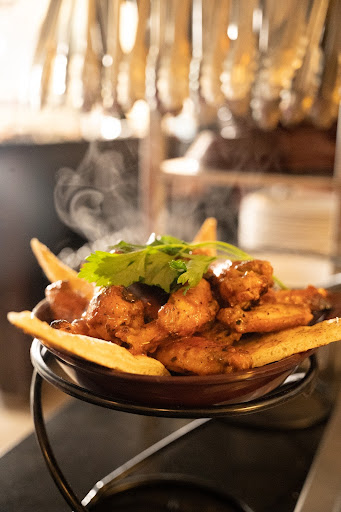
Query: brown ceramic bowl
[{"x": 174, "y": 391}]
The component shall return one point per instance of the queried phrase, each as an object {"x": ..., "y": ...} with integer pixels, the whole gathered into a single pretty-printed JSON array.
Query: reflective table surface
[{"x": 266, "y": 467}]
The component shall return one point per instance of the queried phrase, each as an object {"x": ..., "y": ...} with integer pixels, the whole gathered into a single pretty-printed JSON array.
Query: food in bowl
[{"x": 176, "y": 308}]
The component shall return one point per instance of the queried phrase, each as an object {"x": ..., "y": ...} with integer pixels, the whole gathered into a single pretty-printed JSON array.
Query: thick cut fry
[
  {"x": 98, "y": 351},
  {"x": 56, "y": 270},
  {"x": 268, "y": 348},
  {"x": 207, "y": 233}
]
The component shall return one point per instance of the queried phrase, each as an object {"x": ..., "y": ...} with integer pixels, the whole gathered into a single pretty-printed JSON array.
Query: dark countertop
[{"x": 264, "y": 467}]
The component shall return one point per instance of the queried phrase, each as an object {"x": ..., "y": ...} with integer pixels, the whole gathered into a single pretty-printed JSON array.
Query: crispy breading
[
  {"x": 111, "y": 308},
  {"x": 201, "y": 356},
  {"x": 65, "y": 302},
  {"x": 141, "y": 340},
  {"x": 243, "y": 282},
  {"x": 183, "y": 314},
  {"x": 189, "y": 312},
  {"x": 316, "y": 298},
  {"x": 221, "y": 333}
]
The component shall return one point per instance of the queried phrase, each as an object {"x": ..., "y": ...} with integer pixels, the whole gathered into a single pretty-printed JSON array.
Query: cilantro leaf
[
  {"x": 170, "y": 244},
  {"x": 125, "y": 247},
  {"x": 158, "y": 271},
  {"x": 106, "y": 269},
  {"x": 196, "y": 267},
  {"x": 170, "y": 240},
  {"x": 179, "y": 265}
]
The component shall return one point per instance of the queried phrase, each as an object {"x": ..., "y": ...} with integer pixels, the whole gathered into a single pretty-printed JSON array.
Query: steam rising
[{"x": 99, "y": 198}]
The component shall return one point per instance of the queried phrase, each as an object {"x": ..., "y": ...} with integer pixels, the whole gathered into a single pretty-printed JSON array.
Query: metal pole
[{"x": 151, "y": 189}]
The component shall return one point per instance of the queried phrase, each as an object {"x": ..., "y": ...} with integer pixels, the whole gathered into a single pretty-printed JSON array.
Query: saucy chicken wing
[
  {"x": 242, "y": 282},
  {"x": 315, "y": 298},
  {"x": 111, "y": 308},
  {"x": 265, "y": 318},
  {"x": 189, "y": 312},
  {"x": 64, "y": 302},
  {"x": 199, "y": 355},
  {"x": 183, "y": 314}
]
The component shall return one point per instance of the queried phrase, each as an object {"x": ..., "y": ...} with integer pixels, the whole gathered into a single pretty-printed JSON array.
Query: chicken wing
[
  {"x": 189, "y": 312},
  {"x": 184, "y": 313},
  {"x": 265, "y": 318},
  {"x": 315, "y": 298},
  {"x": 64, "y": 302},
  {"x": 221, "y": 333},
  {"x": 111, "y": 308},
  {"x": 199, "y": 355},
  {"x": 141, "y": 340},
  {"x": 242, "y": 282}
]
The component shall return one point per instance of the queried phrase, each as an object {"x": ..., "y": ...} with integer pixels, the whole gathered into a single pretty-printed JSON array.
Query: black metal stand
[
  {"x": 42, "y": 360},
  {"x": 45, "y": 446}
]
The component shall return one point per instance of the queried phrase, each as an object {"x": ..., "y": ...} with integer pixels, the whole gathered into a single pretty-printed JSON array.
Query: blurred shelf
[{"x": 187, "y": 168}]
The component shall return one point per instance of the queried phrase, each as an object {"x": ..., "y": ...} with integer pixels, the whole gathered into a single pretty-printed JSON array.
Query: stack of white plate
[{"x": 294, "y": 227}]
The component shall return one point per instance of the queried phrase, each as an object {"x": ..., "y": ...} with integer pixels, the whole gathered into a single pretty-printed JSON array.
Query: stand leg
[{"x": 41, "y": 434}]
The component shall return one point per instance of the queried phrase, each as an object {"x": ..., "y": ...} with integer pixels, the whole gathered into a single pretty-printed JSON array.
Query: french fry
[
  {"x": 275, "y": 346},
  {"x": 56, "y": 270},
  {"x": 207, "y": 233},
  {"x": 98, "y": 351}
]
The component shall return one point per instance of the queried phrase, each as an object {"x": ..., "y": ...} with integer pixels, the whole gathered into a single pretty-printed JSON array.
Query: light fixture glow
[
  {"x": 232, "y": 31},
  {"x": 128, "y": 25}
]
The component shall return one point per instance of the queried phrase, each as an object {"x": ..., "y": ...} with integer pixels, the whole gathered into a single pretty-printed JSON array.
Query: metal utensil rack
[{"x": 43, "y": 362}]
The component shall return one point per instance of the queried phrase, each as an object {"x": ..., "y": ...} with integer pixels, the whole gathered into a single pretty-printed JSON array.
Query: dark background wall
[{"x": 27, "y": 181}]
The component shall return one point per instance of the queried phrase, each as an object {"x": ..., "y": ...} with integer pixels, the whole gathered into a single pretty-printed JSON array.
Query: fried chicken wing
[
  {"x": 265, "y": 318},
  {"x": 315, "y": 298},
  {"x": 199, "y": 355},
  {"x": 65, "y": 303},
  {"x": 142, "y": 340},
  {"x": 152, "y": 297},
  {"x": 221, "y": 333},
  {"x": 183, "y": 314},
  {"x": 77, "y": 326},
  {"x": 111, "y": 308},
  {"x": 242, "y": 282},
  {"x": 189, "y": 312}
]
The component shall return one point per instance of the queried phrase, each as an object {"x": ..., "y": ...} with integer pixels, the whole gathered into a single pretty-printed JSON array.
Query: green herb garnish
[{"x": 166, "y": 262}]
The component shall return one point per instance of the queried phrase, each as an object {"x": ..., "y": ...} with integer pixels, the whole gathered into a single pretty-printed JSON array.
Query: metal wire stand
[{"x": 43, "y": 361}]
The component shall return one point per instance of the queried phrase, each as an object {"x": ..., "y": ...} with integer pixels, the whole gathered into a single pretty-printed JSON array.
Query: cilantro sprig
[{"x": 166, "y": 262}]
